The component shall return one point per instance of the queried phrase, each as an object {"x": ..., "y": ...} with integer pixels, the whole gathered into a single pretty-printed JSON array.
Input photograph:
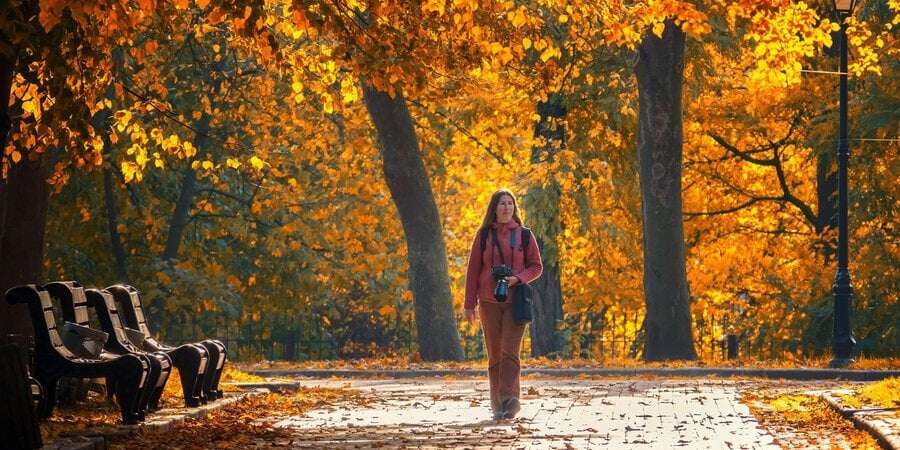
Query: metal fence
[{"x": 602, "y": 336}]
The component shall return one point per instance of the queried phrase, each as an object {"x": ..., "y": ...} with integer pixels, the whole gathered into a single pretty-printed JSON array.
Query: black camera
[{"x": 501, "y": 291}]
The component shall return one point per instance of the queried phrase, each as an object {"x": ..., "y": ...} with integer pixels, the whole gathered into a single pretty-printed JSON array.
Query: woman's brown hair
[{"x": 491, "y": 215}]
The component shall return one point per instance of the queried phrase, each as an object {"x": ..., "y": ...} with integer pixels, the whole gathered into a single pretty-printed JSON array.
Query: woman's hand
[
  {"x": 471, "y": 316},
  {"x": 513, "y": 280}
]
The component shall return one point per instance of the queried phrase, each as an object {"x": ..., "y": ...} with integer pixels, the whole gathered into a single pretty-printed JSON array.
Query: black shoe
[
  {"x": 132, "y": 419},
  {"x": 511, "y": 407}
]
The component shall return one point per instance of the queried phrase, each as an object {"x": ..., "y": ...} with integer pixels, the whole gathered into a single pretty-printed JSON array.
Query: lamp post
[{"x": 842, "y": 338}]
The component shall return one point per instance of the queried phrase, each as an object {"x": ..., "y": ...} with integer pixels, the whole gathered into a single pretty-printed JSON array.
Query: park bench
[
  {"x": 131, "y": 312},
  {"x": 104, "y": 306},
  {"x": 53, "y": 360},
  {"x": 73, "y": 299}
]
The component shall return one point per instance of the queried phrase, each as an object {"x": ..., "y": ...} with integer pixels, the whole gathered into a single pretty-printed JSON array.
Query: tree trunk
[
  {"x": 542, "y": 206},
  {"x": 181, "y": 214},
  {"x": 101, "y": 123},
  {"x": 112, "y": 221},
  {"x": 404, "y": 172},
  {"x": 24, "y": 196},
  {"x": 18, "y": 421},
  {"x": 7, "y": 72},
  {"x": 547, "y": 306},
  {"x": 659, "y": 70},
  {"x": 23, "y": 217}
]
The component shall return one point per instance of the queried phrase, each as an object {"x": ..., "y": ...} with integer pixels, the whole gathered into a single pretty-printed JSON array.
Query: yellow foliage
[{"x": 881, "y": 394}]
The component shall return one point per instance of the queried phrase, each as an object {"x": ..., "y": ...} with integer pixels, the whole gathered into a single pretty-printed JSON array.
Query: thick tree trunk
[
  {"x": 542, "y": 207},
  {"x": 7, "y": 72},
  {"x": 24, "y": 196},
  {"x": 404, "y": 172},
  {"x": 659, "y": 71},
  {"x": 547, "y": 307},
  {"x": 23, "y": 217},
  {"x": 18, "y": 421}
]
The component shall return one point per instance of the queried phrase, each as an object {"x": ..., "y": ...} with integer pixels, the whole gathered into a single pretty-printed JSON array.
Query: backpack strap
[
  {"x": 526, "y": 242},
  {"x": 526, "y": 235},
  {"x": 496, "y": 242}
]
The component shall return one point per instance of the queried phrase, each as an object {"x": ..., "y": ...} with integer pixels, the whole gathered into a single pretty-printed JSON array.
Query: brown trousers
[{"x": 503, "y": 340}]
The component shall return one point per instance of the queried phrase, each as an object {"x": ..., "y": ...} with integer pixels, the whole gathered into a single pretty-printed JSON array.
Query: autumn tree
[
  {"x": 659, "y": 70},
  {"x": 390, "y": 68},
  {"x": 38, "y": 45}
]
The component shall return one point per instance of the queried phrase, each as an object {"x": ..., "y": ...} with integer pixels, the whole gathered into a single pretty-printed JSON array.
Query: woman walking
[{"x": 499, "y": 255}]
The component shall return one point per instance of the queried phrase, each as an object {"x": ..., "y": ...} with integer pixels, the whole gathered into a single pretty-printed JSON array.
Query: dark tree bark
[
  {"x": 7, "y": 72},
  {"x": 404, "y": 172},
  {"x": 24, "y": 196},
  {"x": 547, "y": 306},
  {"x": 101, "y": 122},
  {"x": 659, "y": 70},
  {"x": 112, "y": 223},
  {"x": 542, "y": 205},
  {"x": 18, "y": 421},
  {"x": 181, "y": 213},
  {"x": 23, "y": 217}
]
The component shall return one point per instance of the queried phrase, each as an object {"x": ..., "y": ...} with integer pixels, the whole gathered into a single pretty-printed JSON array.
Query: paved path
[{"x": 556, "y": 414}]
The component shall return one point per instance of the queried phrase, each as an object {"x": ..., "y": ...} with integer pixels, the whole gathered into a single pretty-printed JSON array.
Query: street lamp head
[{"x": 844, "y": 7}]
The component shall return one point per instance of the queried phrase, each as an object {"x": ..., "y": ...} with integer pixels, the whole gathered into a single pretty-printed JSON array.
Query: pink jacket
[{"x": 479, "y": 281}]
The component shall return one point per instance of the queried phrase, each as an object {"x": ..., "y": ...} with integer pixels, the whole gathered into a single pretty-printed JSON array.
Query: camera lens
[{"x": 502, "y": 290}]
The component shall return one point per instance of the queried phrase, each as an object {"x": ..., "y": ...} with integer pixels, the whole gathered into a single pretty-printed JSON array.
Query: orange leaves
[
  {"x": 625, "y": 25},
  {"x": 518, "y": 17},
  {"x": 548, "y": 53},
  {"x": 34, "y": 102},
  {"x": 434, "y": 6},
  {"x": 349, "y": 90},
  {"x": 151, "y": 46},
  {"x": 257, "y": 163},
  {"x": 782, "y": 38},
  {"x": 386, "y": 311},
  {"x": 122, "y": 119},
  {"x": 658, "y": 29},
  {"x": 811, "y": 421},
  {"x": 131, "y": 171},
  {"x": 204, "y": 165},
  {"x": 867, "y": 46},
  {"x": 51, "y": 12}
]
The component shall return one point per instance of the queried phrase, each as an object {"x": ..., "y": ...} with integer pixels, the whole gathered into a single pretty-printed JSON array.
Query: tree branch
[
  {"x": 790, "y": 198},
  {"x": 739, "y": 153},
  {"x": 465, "y": 132}
]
